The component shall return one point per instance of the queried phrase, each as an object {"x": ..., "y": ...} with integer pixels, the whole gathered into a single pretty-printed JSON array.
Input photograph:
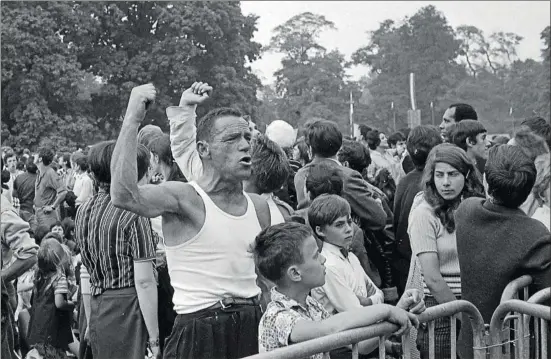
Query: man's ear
[
  {"x": 319, "y": 232},
  {"x": 346, "y": 164},
  {"x": 203, "y": 148},
  {"x": 470, "y": 142},
  {"x": 293, "y": 273}
]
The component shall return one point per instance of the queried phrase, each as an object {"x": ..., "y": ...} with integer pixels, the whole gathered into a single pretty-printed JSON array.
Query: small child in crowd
[
  {"x": 288, "y": 255},
  {"x": 51, "y": 311}
]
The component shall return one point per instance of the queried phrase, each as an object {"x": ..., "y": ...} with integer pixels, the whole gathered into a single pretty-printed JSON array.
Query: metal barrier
[
  {"x": 539, "y": 311},
  {"x": 354, "y": 336},
  {"x": 539, "y": 297},
  {"x": 513, "y": 291}
]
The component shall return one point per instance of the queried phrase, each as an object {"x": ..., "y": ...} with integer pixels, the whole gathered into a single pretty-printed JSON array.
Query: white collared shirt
[{"x": 345, "y": 280}]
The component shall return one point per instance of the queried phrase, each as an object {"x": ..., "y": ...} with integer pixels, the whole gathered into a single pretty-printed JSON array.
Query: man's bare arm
[{"x": 148, "y": 201}]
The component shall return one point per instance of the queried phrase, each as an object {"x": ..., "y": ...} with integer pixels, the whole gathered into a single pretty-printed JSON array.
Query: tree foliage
[{"x": 122, "y": 44}]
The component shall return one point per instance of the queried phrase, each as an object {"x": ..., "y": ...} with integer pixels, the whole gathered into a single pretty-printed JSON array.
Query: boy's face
[
  {"x": 312, "y": 270},
  {"x": 400, "y": 147},
  {"x": 338, "y": 233},
  {"x": 481, "y": 147},
  {"x": 59, "y": 230}
]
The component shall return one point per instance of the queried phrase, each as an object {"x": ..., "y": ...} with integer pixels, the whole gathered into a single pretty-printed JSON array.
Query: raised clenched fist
[
  {"x": 140, "y": 99},
  {"x": 196, "y": 94}
]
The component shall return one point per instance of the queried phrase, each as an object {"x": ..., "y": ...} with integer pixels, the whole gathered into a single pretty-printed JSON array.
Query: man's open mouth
[{"x": 245, "y": 160}]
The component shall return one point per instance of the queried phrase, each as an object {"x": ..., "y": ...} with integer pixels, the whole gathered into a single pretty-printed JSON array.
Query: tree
[
  {"x": 41, "y": 78},
  {"x": 471, "y": 39},
  {"x": 171, "y": 45},
  {"x": 311, "y": 80},
  {"x": 423, "y": 44}
]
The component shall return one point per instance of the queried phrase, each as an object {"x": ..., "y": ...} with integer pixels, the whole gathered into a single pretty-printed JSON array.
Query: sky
[{"x": 353, "y": 19}]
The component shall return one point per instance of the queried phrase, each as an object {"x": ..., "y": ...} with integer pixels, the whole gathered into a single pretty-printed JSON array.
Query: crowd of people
[{"x": 218, "y": 241}]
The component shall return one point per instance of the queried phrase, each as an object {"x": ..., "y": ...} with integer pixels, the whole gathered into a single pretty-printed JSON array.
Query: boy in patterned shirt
[{"x": 288, "y": 255}]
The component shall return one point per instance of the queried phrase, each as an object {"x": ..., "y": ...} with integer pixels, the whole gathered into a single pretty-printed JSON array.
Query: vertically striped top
[
  {"x": 427, "y": 234},
  {"x": 111, "y": 240}
]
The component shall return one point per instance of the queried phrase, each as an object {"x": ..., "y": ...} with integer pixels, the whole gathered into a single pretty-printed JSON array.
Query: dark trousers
[
  {"x": 215, "y": 334},
  {"x": 117, "y": 328}
]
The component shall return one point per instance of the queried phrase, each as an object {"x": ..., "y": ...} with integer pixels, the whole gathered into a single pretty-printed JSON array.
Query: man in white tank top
[{"x": 208, "y": 227}]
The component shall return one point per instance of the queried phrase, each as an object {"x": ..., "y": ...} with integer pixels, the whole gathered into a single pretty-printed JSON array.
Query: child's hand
[
  {"x": 412, "y": 301},
  {"x": 402, "y": 318}
]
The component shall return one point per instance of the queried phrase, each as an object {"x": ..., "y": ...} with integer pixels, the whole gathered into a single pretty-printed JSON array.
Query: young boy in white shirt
[{"x": 288, "y": 255}]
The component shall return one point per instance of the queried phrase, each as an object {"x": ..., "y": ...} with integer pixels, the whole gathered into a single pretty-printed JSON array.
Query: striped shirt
[{"x": 111, "y": 240}]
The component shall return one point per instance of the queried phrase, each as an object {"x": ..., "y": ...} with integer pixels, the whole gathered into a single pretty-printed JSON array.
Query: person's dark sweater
[
  {"x": 496, "y": 245},
  {"x": 408, "y": 187},
  {"x": 23, "y": 186}
]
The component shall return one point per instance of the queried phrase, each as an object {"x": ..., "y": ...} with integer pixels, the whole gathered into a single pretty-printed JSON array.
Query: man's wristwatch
[{"x": 153, "y": 343}]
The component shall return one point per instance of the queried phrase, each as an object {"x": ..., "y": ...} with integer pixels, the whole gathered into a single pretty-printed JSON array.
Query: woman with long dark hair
[{"x": 448, "y": 178}]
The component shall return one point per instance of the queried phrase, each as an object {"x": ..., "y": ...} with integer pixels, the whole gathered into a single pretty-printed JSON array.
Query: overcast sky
[{"x": 354, "y": 18}]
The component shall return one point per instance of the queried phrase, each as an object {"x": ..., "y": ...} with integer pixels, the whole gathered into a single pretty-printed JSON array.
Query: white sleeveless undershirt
[
  {"x": 215, "y": 263},
  {"x": 275, "y": 214}
]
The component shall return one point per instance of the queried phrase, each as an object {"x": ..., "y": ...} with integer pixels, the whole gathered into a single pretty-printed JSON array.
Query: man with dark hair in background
[
  {"x": 24, "y": 190},
  {"x": 420, "y": 142},
  {"x": 50, "y": 191}
]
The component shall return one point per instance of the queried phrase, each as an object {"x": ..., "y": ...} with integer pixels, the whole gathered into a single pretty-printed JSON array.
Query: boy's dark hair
[
  {"x": 206, "y": 123},
  {"x": 421, "y": 140},
  {"x": 395, "y": 138},
  {"x": 324, "y": 179},
  {"x": 160, "y": 146},
  {"x": 20, "y": 166},
  {"x": 57, "y": 224},
  {"x": 40, "y": 233},
  {"x": 325, "y": 138},
  {"x": 31, "y": 167},
  {"x": 540, "y": 127},
  {"x": 364, "y": 129},
  {"x": 66, "y": 158},
  {"x": 47, "y": 154},
  {"x": 466, "y": 130},
  {"x": 373, "y": 139},
  {"x": 82, "y": 163},
  {"x": 270, "y": 166},
  {"x": 47, "y": 351},
  {"x": 510, "y": 175},
  {"x": 405, "y": 131},
  {"x": 278, "y": 247},
  {"x": 464, "y": 111},
  {"x": 99, "y": 160},
  {"x": 356, "y": 154},
  {"x": 326, "y": 209}
]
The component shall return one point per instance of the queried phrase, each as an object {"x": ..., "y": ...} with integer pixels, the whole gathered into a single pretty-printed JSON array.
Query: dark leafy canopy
[
  {"x": 123, "y": 44},
  {"x": 452, "y": 66},
  {"x": 311, "y": 80}
]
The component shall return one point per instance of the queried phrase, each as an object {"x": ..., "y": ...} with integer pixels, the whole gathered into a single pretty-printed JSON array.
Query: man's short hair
[
  {"x": 278, "y": 247},
  {"x": 66, "y": 158},
  {"x": 206, "y": 123},
  {"x": 531, "y": 144},
  {"x": 20, "y": 166},
  {"x": 464, "y": 111},
  {"x": 82, "y": 163},
  {"x": 373, "y": 139},
  {"x": 395, "y": 138},
  {"x": 325, "y": 138},
  {"x": 160, "y": 146},
  {"x": 540, "y": 127},
  {"x": 405, "y": 131},
  {"x": 326, "y": 209},
  {"x": 47, "y": 154},
  {"x": 356, "y": 154},
  {"x": 99, "y": 161},
  {"x": 32, "y": 167},
  {"x": 466, "y": 130},
  {"x": 324, "y": 179},
  {"x": 270, "y": 166},
  {"x": 148, "y": 133},
  {"x": 364, "y": 129},
  {"x": 510, "y": 175},
  {"x": 9, "y": 154},
  {"x": 421, "y": 140}
]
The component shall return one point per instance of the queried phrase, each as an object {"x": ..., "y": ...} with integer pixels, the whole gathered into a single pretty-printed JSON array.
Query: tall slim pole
[
  {"x": 432, "y": 112},
  {"x": 393, "y": 115},
  {"x": 351, "y": 116}
]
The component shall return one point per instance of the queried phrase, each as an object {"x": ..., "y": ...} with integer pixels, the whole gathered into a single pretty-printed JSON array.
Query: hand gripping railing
[
  {"x": 354, "y": 336},
  {"x": 514, "y": 305}
]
